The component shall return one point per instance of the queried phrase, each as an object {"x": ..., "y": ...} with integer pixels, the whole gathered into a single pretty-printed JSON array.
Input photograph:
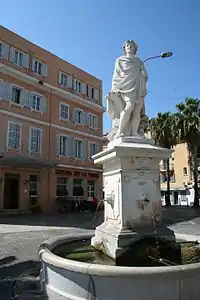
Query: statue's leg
[
  {"x": 125, "y": 118},
  {"x": 136, "y": 117}
]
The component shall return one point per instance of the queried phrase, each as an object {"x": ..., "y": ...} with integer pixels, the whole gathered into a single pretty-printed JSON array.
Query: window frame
[
  {"x": 14, "y": 86},
  {"x": 67, "y": 137},
  {"x": 92, "y": 119},
  {"x": 61, "y": 185},
  {"x": 91, "y": 192},
  {"x": 20, "y": 139},
  {"x": 30, "y": 138},
  {"x": 78, "y": 140},
  {"x": 89, "y": 153},
  {"x": 60, "y": 110},
  {"x": 17, "y": 62},
  {"x": 36, "y": 188},
  {"x": 39, "y": 62}
]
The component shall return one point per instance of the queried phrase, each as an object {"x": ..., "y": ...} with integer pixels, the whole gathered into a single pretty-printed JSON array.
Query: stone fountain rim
[{"x": 47, "y": 256}]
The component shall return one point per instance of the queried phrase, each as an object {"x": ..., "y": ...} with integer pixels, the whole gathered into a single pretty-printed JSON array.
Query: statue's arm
[
  {"x": 144, "y": 71},
  {"x": 117, "y": 76}
]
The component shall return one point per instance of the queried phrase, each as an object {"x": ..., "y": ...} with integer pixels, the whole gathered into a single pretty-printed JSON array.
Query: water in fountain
[{"x": 149, "y": 251}]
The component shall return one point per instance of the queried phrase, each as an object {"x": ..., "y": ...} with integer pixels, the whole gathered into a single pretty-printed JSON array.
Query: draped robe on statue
[{"x": 128, "y": 84}]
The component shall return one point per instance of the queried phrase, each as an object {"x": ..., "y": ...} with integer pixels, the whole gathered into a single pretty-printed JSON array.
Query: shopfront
[{"x": 78, "y": 183}]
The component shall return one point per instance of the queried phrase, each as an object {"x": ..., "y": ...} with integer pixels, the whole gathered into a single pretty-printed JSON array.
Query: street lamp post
[{"x": 162, "y": 55}]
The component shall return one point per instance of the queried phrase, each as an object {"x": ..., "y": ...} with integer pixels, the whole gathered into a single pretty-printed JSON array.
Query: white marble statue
[{"x": 125, "y": 102}]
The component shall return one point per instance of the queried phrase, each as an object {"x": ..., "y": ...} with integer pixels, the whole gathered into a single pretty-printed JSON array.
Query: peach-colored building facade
[
  {"x": 50, "y": 126},
  {"x": 181, "y": 177}
]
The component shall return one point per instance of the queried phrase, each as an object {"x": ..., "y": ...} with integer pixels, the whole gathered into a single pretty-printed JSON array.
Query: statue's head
[{"x": 130, "y": 47}]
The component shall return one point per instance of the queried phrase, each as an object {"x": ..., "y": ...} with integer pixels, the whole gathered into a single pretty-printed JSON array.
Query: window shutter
[
  {"x": 5, "y": 51},
  {"x": 29, "y": 102},
  {"x": 83, "y": 118},
  {"x": 96, "y": 94},
  {"x": 83, "y": 151},
  {"x": 6, "y": 91},
  {"x": 59, "y": 77},
  {"x": 67, "y": 146},
  {"x": 74, "y": 84},
  {"x": 87, "y": 121},
  {"x": 24, "y": 99},
  {"x": 25, "y": 61},
  {"x": 58, "y": 144},
  {"x": 43, "y": 104},
  {"x": 89, "y": 90},
  {"x": 69, "y": 81},
  {"x": 12, "y": 54},
  {"x": 96, "y": 122},
  {"x": 44, "y": 70},
  {"x": 74, "y": 115},
  {"x": 72, "y": 147},
  {"x": 11, "y": 134},
  {"x": 39, "y": 141},
  {"x": 97, "y": 148},
  {"x": 33, "y": 64},
  {"x": 83, "y": 88}
]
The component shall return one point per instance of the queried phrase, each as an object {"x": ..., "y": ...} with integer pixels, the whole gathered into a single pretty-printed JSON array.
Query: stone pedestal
[{"x": 132, "y": 194}]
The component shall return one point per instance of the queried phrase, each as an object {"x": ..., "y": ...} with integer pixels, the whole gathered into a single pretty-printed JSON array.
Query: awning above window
[{"x": 24, "y": 162}]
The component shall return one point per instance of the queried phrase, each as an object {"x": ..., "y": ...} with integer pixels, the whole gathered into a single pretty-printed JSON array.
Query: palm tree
[
  {"x": 187, "y": 126},
  {"x": 162, "y": 134}
]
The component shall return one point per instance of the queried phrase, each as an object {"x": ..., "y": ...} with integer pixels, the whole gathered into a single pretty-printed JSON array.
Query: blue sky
[{"x": 90, "y": 34}]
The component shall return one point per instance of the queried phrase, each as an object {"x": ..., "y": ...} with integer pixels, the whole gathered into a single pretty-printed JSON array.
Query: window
[
  {"x": 87, "y": 90},
  {"x": 14, "y": 135},
  {"x": 37, "y": 67},
  {"x": 91, "y": 188},
  {"x": 63, "y": 145},
  {"x": 78, "y": 187},
  {"x": 36, "y": 101},
  {"x": 77, "y": 85},
  {"x": 92, "y": 121},
  {"x": 35, "y": 140},
  {"x": 63, "y": 79},
  {"x": 61, "y": 189},
  {"x": 64, "y": 111},
  {"x": 33, "y": 185},
  {"x": 4, "y": 50},
  {"x": 16, "y": 93},
  {"x": 78, "y": 116},
  {"x": 92, "y": 93},
  {"x": 79, "y": 149},
  {"x": 92, "y": 150},
  {"x": 185, "y": 172},
  {"x": 18, "y": 59}
]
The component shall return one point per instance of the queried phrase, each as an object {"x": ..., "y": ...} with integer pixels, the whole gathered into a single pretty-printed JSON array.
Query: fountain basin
[{"x": 68, "y": 279}]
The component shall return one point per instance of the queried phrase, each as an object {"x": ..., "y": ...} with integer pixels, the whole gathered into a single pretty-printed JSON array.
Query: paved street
[{"x": 21, "y": 235}]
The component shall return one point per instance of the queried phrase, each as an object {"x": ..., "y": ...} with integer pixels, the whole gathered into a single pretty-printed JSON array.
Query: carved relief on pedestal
[
  {"x": 142, "y": 182},
  {"x": 141, "y": 171},
  {"x": 112, "y": 197}
]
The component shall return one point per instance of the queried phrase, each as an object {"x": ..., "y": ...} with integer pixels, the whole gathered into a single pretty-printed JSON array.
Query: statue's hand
[{"x": 114, "y": 91}]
